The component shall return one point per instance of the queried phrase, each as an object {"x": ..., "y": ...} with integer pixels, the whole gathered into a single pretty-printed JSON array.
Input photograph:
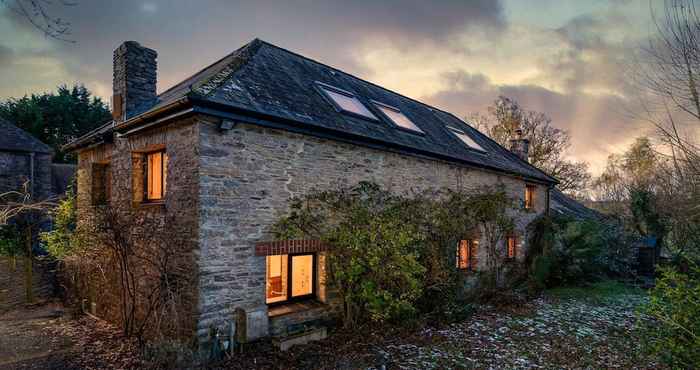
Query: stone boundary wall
[{"x": 12, "y": 282}]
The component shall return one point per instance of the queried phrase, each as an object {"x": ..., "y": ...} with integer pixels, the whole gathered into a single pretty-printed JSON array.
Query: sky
[{"x": 566, "y": 58}]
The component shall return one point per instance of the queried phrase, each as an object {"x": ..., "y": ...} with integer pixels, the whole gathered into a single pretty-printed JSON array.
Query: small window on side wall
[
  {"x": 529, "y": 196},
  {"x": 512, "y": 247},
  {"x": 156, "y": 169},
  {"x": 101, "y": 183},
  {"x": 466, "y": 254}
]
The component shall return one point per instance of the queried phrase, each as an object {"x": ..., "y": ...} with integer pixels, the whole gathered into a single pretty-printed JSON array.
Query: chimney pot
[
  {"x": 520, "y": 145},
  {"x": 134, "y": 80}
]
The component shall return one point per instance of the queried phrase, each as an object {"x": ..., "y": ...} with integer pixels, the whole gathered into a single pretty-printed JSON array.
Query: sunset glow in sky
[{"x": 563, "y": 57}]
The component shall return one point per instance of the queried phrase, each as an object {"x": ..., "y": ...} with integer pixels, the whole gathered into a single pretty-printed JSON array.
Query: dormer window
[
  {"x": 398, "y": 118},
  {"x": 345, "y": 101},
  {"x": 466, "y": 139}
]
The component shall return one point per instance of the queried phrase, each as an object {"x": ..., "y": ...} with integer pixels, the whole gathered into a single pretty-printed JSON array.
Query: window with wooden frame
[
  {"x": 290, "y": 277},
  {"x": 529, "y": 196},
  {"x": 467, "y": 254},
  {"x": 511, "y": 247},
  {"x": 155, "y": 173},
  {"x": 101, "y": 183}
]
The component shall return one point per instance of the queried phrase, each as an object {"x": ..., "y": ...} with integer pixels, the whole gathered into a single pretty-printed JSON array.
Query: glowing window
[
  {"x": 397, "y": 117},
  {"x": 347, "y": 102},
  {"x": 466, "y": 254},
  {"x": 156, "y": 172},
  {"x": 529, "y": 196},
  {"x": 466, "y": 139},
  {"x": 289, "y": 277},
  {"x": 512, "y": 245}
]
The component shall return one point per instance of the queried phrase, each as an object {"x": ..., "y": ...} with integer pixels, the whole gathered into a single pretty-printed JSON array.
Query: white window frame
[
  {"x": 324, "y": 90},
  {"x": 380, "y": 106},
  {"x": 458, "y": 133}
]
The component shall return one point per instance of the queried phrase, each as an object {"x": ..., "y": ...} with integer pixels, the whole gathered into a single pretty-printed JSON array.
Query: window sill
[
  {"x": 150, "y": 205},
  {"x": 283, "y": 309}
]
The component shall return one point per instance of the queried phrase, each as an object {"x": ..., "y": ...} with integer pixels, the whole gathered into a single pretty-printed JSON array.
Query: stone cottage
[
  {"x": 222, "y": 152},
  {"x": 24, "y": 160}
]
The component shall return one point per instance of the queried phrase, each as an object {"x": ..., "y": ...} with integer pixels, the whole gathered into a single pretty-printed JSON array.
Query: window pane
[
  {"x": 302, "y": 275},
  {"x": 349, "y": 103},
  {"x": 155, "y": 176},
  {"x": 463, "y": 262},
  {"x": 529, "y": 196},
  {"x": 165, "y": 171},
  {"x": 467, "y": 139},
  {"x": 511, "y": 247},
  {"x": 276, "y": 280},
  {"x": 399, "y": 118}
]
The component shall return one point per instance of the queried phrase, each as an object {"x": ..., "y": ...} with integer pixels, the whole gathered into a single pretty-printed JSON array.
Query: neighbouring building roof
[
  {"x": 271, "y": 84},
  {"x": 13, "y": 138},
  {"x": 562, "y": 205}
]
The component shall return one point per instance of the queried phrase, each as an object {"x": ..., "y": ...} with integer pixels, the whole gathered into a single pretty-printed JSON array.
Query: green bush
[
  {"x": 394, "y": 256},
  {"x": 673, "y": 333},
  {"x": 11, "y": 242},
  {"x": 62, "y": 240}
]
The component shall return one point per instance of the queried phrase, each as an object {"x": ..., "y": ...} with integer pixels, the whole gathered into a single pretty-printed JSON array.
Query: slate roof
[
  {"x": 13, "y": 138},
  {"x": 281, "y": 86},
  {"x": 562, "y": 205}
]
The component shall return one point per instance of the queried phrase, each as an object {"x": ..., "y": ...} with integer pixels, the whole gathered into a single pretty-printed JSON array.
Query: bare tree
[
  {"x": 38, "y": 13},
  {"x": 22, "y": 209},
  {"x": 548, "y": 144},
  {"x": 666, "y": 73}
]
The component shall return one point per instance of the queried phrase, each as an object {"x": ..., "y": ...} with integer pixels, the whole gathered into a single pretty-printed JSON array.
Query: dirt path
[
  {"x": 26, "y": 341},
  {"x": 45, "y": 337}
]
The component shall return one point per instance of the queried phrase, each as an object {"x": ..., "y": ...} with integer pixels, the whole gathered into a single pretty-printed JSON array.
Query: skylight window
[
  {"x": 466, "y": 139},
  {"x": 397, "y": 117},
  {"x": 346, "y": 101}
]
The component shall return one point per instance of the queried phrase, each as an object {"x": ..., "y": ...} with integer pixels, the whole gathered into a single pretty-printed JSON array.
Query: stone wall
[
  {"x": 247, "y": 176},
  {"x": 154, "y": 230},
  {"x": 15, "y": 170},
  {"x": 13, "y": 291}
]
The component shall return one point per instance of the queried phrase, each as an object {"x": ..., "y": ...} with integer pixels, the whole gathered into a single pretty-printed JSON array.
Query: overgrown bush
[
  {"x": 394, "y": 255},
  {"x": 575, "y": 252},
  {"x": 62, "y": 240},
  {"x": 674, "y": 307},
  {"x": 10, "y": 241}
]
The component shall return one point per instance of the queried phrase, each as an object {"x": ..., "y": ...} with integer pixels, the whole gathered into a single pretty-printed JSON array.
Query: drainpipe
[{"x": 31, "y": 173}]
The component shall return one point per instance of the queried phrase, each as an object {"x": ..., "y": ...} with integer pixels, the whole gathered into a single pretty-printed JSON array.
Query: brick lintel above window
[{"x": 290, "y": 246}]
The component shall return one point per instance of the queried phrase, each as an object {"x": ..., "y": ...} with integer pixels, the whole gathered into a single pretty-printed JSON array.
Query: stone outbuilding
[
  {"x": 24, "y": 160},
  {"x": 220, "y": 154}
]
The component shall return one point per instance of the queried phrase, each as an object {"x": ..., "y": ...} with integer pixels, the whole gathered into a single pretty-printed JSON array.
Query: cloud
[
  {"x": 597, "y": 125},
  {"x": 6, "y": 56}
]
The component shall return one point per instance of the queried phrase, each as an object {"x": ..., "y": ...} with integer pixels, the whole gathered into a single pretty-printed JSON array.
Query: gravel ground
[
  {"x": 545, "y": 334},
  {"x": 44, "y": 337}
]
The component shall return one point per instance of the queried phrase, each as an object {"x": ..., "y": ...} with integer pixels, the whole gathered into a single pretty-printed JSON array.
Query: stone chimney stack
[
  {"x": 520, "y": 145},
  {"x": 134, "y": 83}
]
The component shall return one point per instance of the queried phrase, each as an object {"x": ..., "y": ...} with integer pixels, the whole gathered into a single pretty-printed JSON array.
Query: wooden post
[{"x": 28, "y": 268}]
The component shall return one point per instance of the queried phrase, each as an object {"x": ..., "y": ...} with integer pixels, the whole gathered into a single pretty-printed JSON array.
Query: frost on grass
[{"x": 573, "y": 333}]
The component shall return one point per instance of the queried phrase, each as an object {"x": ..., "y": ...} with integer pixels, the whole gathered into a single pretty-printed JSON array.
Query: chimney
[
  {"x": 134, "y": 84},
  {"x": 520, "y": 145}
]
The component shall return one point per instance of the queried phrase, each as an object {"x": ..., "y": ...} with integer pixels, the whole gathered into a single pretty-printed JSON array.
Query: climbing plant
[{"x": 394, "y": 255}]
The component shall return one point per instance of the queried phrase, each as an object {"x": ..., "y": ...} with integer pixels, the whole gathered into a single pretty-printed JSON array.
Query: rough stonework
[
  {"x": 247, "y": 176},
  {"x": 134, "y": 78},
  {"x": 175, "y": 219},
  {"x": 242, "y": 137},
  {"x": 13, "y": 291}
]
